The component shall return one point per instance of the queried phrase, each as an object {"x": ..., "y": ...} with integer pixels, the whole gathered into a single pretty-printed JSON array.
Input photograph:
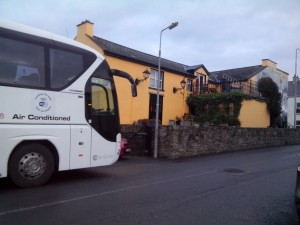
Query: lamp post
[
  {"x": 173, "y": 25},
  {"x": 295, "y": 81}
]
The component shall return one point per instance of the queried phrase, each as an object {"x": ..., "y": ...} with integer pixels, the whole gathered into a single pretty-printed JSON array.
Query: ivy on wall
[
  {"x": 269, "y": 89},
  {"x": 218, "y": 108}
]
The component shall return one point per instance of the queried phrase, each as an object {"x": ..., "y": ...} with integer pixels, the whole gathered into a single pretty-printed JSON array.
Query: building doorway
[{"x": 152, "y": 107}]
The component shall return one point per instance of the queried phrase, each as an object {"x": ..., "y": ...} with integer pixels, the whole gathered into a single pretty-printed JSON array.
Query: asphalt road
[{"x": 251, "y": 187}]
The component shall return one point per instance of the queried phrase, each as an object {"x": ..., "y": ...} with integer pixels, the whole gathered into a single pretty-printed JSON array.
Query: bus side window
[
  {"x": 27, "y": 75},
  {"x": 31, "y": 72},
  {"x": 7, "y": 73},
  {"x": 64, "y": 67},
  {"x": 31, "y": 80}
]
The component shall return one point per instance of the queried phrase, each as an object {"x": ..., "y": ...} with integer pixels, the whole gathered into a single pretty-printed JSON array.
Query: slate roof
[
  {"x": 238, "y": 74},
  {"x": 130, "y": 54},
  {"x": 123, "y": 52},
  {"x": 291, "y": 89}
]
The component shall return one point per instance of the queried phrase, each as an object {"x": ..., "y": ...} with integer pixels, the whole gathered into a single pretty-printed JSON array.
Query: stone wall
[{"x": 180, "y": 142}]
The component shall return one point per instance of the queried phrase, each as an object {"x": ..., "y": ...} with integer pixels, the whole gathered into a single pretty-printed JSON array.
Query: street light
[
  {"x": 173, "y": 25},
  {"x": 295, "y": 81},
  {"x": 146, "y": 74}
]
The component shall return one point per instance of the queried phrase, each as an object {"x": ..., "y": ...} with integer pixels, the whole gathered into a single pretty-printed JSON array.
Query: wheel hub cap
[{"x": 32, "y": 165}]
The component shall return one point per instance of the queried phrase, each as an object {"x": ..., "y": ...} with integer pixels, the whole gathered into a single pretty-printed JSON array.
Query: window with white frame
[
  {"x": 297, "y": 124},
  {"x": 154, "y": 78}
]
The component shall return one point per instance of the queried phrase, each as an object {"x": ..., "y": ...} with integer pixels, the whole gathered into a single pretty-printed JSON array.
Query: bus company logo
[
  {"x": 2, "y": 116},
  {"x": 43, "y": 102}
]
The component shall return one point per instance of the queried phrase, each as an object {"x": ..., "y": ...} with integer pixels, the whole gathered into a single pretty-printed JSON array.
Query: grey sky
[{"x": 221, "y": 34}]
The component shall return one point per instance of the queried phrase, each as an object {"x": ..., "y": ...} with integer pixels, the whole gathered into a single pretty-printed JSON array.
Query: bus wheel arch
[{"x": 32, "y": 163}]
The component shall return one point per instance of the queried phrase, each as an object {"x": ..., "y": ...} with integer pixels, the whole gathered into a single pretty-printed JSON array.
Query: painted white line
[
  {"x": 103, "y": 193},
  {"x": 292, "y": 156}
]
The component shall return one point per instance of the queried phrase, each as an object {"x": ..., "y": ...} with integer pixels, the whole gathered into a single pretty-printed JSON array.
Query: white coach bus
[{"x": 58, "y": 106}]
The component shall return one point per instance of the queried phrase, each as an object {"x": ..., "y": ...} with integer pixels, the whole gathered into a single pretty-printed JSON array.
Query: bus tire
[{"x": 31, "y": 165}]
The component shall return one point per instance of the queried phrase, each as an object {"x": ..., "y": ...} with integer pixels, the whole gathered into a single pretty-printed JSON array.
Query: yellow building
[
  {"x": 171, "y": 95},
  {"x": 245, "y": 79}
]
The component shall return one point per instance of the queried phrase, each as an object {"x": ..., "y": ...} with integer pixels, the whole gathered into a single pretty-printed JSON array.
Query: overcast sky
[{"x": 221, "y": 34}]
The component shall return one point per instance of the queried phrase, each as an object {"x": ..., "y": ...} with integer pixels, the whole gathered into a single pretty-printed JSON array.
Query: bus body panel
[
  {"x": 80, "y": 155},
  {"x": 58, "y": 91},
  {"x": 12, "y": 135},
  {"x": 30, "y": 106},
  {"x": 108, "y": 153},
  {"x": 73, "y": 144}
]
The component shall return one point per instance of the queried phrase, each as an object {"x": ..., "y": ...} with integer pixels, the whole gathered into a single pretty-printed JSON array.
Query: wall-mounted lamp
[
  {"x": 182, "y": 84},
  {"x": 146, "y": 74}
]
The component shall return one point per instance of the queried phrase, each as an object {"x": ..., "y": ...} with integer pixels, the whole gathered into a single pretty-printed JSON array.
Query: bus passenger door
[
  {"x": 102, "y": 115},
  {"x": 80, "y": 146}
]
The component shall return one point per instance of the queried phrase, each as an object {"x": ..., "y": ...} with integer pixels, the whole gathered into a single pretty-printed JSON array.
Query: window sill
[{"x": 156, "y": 89}]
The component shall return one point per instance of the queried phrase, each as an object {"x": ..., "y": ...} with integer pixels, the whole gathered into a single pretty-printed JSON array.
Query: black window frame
[{"x": 108, "y": 124}]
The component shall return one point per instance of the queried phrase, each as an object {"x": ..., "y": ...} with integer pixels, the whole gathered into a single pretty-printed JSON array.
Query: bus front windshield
[{"x": 102, "y": 97}]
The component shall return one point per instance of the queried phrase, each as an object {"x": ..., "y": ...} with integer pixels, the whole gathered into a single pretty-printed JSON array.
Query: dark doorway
[{"x": 152, "y": 107}]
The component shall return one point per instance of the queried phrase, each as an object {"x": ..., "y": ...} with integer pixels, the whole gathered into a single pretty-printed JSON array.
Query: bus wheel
[{"x": 31, "y": 165}]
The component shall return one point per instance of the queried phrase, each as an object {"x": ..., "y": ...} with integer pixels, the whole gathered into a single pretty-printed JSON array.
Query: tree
[{"x": 269, "y": 89}]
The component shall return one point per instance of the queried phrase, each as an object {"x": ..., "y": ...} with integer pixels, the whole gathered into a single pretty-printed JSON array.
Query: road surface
[{"x": 254, "y": 187}]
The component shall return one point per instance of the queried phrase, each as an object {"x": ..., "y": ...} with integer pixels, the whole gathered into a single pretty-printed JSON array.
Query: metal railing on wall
[
  {"x": 140, "y": 141},
  {"x": 247, "y": 87}
]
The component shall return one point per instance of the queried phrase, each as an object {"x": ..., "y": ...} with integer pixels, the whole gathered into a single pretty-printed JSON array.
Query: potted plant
[
  {"x": 233, "y": 121},
  {"x": 178, "y": 120}
]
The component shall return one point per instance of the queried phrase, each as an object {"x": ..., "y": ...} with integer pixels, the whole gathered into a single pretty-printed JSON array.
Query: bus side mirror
[
  {"x": 125, "y": 75},
  {"x": 133, "y": 90}
]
